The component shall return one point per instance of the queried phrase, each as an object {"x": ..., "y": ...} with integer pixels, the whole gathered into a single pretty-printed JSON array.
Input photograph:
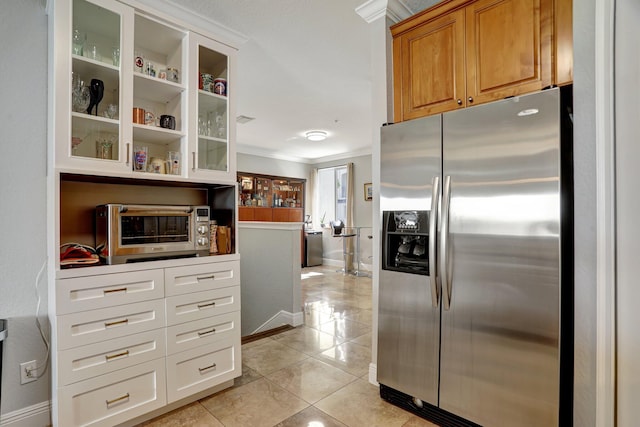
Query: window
[{"x": 332, "y": 194}]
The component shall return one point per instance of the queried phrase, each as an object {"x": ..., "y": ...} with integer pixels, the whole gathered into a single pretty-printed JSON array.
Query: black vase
[{"x": 96, "y": 92}]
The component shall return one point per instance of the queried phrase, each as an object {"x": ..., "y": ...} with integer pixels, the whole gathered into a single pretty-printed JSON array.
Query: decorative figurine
[{"x": 96, "y": 91}]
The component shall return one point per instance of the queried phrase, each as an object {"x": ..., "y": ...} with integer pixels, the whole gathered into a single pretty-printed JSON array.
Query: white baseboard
[
  {"x": 373, "y": 374},
  {"x": 38, "y": 415},
  {"x": 281, "y": 318}
]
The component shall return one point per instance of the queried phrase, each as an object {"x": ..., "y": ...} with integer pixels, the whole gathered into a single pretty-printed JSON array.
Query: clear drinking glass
[
  {"x": 115, "y": 55},
  {"x": 78, "y": 39}
]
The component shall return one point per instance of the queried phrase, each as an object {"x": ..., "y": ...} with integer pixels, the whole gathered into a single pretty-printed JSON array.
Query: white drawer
[
  {"x": 199, "y": 305},
  {"x": 89, "y": 361},
  {"x": 89, "y": 327},
  {"x": 202, "y": 332},
  {"x": 201, "y": 368},
  {"x": 114, "y": 398},
  {"x": 107, "y": 290},
  {"x": 202, "y": 277}
]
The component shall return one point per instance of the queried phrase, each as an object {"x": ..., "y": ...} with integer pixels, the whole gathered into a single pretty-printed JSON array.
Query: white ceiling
[{"x": 305, "y": 66}]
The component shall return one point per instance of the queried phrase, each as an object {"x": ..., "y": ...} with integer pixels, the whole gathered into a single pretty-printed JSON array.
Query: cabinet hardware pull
[
  {"x": 211, "y": 304},
  {"x": 193, "y": 158},
  {"x": 113, "y": 356},
  {"x": 470, "y": 99},
  {"x": 117, "y": 399},
  {"x": 206, "y": 367},
  {"x": 118, "y": 322},
  {"x": 459, "y": 101},
  {"x": 206, "y": 277},
  {"x": 110, "y": 291},
  {"x": 128, "y": 155},
  {"x": 207, "y": 332}
]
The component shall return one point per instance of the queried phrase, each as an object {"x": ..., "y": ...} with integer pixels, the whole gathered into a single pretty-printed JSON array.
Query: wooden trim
[
  {"x": 265, "y": 334},
  {"x": 563, "y": 41},
  {"x": 398, "y": 115}
]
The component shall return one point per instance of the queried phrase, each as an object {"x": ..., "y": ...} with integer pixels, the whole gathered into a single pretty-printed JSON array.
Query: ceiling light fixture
[{"x": 316, "y": 135}]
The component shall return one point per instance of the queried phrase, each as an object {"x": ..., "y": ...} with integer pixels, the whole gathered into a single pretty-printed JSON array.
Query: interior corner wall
[
  {"x": 627, "y": 110},
  {"x": 584, "y": 101},
  {"x": 23, "y": 242}
]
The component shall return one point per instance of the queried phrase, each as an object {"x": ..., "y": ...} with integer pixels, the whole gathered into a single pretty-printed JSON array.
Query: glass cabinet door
[
  {"x": 213, "y": 123},
  {"x": 96, "y": 81}
]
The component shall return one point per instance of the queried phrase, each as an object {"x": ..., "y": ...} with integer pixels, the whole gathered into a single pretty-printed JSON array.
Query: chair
[{"x": 339, "y": 230}]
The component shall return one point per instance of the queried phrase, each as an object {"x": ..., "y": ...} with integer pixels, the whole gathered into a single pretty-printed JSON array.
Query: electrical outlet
[{"x": 28, "y": 372}]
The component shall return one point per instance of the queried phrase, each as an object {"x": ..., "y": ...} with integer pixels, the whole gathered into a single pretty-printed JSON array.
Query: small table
[{"x": 345, "y": 255}]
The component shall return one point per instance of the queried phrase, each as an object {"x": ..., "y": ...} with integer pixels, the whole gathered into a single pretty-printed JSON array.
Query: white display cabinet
[
  {"x": 119, "y": 367},
  {"x": 212, "y": 125}
]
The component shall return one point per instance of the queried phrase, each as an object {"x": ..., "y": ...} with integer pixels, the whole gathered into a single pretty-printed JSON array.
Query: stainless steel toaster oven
[{"x": 130, "y": 233}]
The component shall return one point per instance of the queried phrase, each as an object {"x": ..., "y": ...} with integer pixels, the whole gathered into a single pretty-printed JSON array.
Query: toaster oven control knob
[
  {"x": 203, "y": 241},
  {"x": 203, "y": 229}
]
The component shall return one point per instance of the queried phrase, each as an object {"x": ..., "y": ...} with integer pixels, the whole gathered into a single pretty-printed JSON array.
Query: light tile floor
[{"x": 315, "y": 375}]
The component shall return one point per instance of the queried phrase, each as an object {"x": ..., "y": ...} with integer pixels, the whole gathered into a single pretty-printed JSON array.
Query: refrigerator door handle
[
  {"x": 444, "y": 244},
  {"x": 435, "y": 202}
]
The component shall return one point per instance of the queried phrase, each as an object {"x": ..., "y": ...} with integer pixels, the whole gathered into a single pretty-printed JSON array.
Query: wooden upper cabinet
[
  {"x": 429, "y": 61},
  {"x": 508, "y": 48},
  {"x": 459, "y": 53},
  {"x": 563, "y": 41}
]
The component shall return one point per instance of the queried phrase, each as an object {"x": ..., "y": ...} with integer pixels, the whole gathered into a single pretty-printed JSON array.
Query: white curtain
[{"x": 349, "y": 222}]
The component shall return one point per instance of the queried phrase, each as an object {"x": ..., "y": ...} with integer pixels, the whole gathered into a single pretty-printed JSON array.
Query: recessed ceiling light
[
  {"x": 316, "y": 135},
  {"x": 528, "y": 112}
]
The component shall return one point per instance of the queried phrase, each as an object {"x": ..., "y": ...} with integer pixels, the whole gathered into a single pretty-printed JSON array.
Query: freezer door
[
  {"x": 408, "y": 322},
  {"x": 500, "y": 333}
]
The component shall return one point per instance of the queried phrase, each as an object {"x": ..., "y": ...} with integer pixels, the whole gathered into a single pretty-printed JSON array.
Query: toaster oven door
[{"x": 143, "y": 232}]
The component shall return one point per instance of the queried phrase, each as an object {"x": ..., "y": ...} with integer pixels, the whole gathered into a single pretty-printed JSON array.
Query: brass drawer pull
[
  {"x": 110, "y": 357},
  {"x": 210, "y": 304},
  {"x": 117, "y": 322},
  {"x": 117, "y": 399},
  {"x": 206, "y": 368},
  {"x": 212, "y": 277},
  {"x": 110, "y": 291},
  {"x": 207, "y": 332}
]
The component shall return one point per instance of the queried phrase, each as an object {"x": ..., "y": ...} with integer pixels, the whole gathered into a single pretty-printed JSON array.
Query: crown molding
[
  {"x": 173, "y": 11},
  {"x": 372, "y": 10}
]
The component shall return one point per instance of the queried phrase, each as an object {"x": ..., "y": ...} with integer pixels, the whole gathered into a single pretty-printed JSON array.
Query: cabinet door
[
  {"x": 212, "y": 124},
  {"x": 429, "y": 69},
  {"x": 245, "y": 214},
  {"x": 91, "y": 85},
  {"x": 295, "y": 215},
  {"x": 263, "y": 214},
  {"x": 508, "y": 48}
]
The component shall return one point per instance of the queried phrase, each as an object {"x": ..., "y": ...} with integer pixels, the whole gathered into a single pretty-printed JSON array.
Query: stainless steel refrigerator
[{"x": 476, "y": 280}]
